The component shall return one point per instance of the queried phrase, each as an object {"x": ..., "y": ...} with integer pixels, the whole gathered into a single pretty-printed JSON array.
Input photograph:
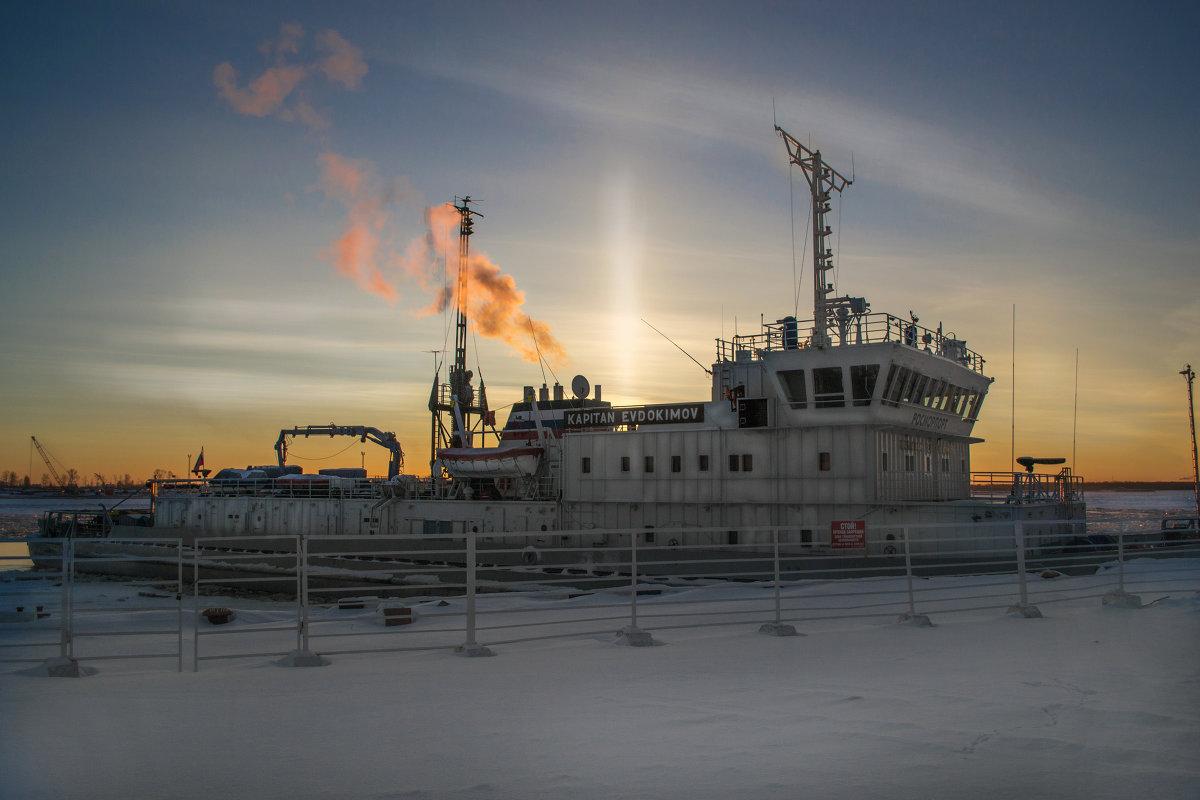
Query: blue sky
[{"x": 166, "y": 258}]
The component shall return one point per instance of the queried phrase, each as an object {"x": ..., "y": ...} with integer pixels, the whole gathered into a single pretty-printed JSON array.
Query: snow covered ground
[{"x": 1090, "y": 701}]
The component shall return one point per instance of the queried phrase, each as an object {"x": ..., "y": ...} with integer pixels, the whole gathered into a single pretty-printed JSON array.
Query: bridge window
[
  {"x": 649, "y": 464},
  {"x": 827, "y": 387},
  {"x": 586, "y": 466},
  {"x": 862, "y": 383},
  {"x": 825, "y": 462},
  {"x": 676, "y": 464},
  {"x": 704, "y": 462},
  {"x": 792, "y": 381},
  {"x": 747, "y": 462},
  {"x": 734, "y": 463},
  {"x": 899, "y": 385},
  {"x": 624, "y": 463}
]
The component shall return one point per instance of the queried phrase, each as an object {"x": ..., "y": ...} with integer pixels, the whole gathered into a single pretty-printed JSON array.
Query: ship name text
[{"x": 635, "y": 415}]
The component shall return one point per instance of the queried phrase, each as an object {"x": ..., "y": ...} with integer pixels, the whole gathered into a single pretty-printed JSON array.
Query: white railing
[
  {"x": 46, "y": 617},
  {"x": 466, "y": 593},
  {"x": 328, "y": 596}
]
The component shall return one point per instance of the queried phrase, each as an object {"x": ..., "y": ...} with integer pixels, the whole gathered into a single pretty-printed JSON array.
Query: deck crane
[{"x": 59, "y": 479}]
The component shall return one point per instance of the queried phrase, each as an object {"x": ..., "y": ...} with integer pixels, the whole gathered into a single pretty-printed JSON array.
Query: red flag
[{"x": 199, "y": 462}]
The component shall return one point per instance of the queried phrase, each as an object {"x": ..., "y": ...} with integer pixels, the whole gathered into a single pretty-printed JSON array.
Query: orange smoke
[
  {"x": 493, "y": 302},
  {"x": 268, "y": 93},
  {"x": 356, "y": 254},
  {"x": 363, "y": 253}
]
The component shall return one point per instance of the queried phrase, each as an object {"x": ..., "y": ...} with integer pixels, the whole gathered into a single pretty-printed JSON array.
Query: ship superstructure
[{"x": 848, "y": 424}]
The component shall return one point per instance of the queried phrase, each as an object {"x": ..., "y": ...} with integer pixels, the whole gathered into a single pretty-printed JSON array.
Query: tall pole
[{"x": 1190, "y": 375}]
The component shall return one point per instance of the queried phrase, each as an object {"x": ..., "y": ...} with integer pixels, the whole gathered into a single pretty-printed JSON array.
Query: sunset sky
[{"x": 214, "y": 215}]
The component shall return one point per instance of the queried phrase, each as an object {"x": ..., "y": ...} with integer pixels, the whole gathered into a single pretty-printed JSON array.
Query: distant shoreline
[{"x": 1139, "y": 486}]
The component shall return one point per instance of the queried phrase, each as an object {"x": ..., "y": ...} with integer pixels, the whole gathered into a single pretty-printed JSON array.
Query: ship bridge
[{"x": 876, "y": 369}]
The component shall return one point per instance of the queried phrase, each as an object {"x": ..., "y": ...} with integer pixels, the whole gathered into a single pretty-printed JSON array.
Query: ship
[{"x": 826, "y": 437}]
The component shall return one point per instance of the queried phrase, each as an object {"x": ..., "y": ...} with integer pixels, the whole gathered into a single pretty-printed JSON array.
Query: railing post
[
  {"x": 302, "y": 572},
  {"x": 778, "y": 627},
  {"x": 633, "y": 570},
  {"x": 1019, "y": 531},
  {"x": 912, "y": 603},
  {"x": 471, "y": 647},
  {"x": 1022, "y": 608},
  {"x": 64, "y": 628},
  {"x": 912, "y": 617},
  {"x": 775, "y": 548},
  {"x": 179, "y": 596},
  {"x": 1121, "y": 560},
  {"x": 632, "y": 634},
  {"x": 195, "y": 605}
]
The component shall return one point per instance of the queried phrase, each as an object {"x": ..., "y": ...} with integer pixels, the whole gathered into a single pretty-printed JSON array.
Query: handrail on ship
[
  {"x": 871, "y": 328},
  {"x": 1025, "y": 487}
]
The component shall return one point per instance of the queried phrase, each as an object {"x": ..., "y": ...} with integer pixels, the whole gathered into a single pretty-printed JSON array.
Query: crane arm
[
  {"x": 382, "y": 438},
  {"x": 59, "y": 479}
]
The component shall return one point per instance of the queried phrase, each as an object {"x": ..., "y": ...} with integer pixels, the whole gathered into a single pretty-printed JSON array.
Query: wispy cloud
[
  {"x": 942, "y": 162},
  {"x": 279, "y": 90}
]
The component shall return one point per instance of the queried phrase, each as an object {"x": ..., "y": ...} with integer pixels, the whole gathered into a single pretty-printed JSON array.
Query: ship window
[
  {"x": 891, "y": 389},
  {"x": 704, "y": 462},
  {"x": 586, "y": 466},
  {"x": 910, "y": 462},
  {"x": 649, "y": 464},
  {"x": 649, "y": 537},
  {"x": 933, "y": 394},
  {"x": 676, "y": 464},
  {"x": 916, "y": 393},
  {"x": 827, "y": 387},
  {"x": 734, "y": 463},
  {"x": 976, "y": 402},
  {"x": 806, "y": 537},
  {"x": 792, "y": 381},
  {"x": 862, "y": 383},
  {"x": 929, "y": 463},
  {"x": 895, "y": 386},
  {"x": 945, "y": 464},
  {"x": 943, "y": 396},
  {"x": 624, "y": 463},
  {"x": 825, "y": 462},
  {"x": 732, "y": 537},
  {"x": 883, "y": 462},
  {"x": 747, "y": 462}
]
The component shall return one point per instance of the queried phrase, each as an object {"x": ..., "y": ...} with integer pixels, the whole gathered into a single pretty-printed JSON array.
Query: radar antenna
[{"x": 822, "y": 181}]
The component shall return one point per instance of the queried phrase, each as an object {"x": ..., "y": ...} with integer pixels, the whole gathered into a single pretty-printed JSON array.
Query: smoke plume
[
  {"x": 365, "y": 254},
  {"x": 279, "y": 90}
]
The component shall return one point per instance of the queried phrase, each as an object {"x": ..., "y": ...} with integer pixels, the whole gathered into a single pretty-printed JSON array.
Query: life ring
[
  {"x": 531, "y": 556},
  {"x": 890, "y": 550}
]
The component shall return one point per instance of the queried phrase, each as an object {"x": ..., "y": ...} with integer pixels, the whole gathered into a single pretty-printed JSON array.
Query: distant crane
[
  {"x": 1189, "y": 375},
  {"x": 59, "y": 479}
]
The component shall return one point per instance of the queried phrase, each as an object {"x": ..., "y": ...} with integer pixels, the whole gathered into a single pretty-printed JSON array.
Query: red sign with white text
[{"x": 849, "y": 534}]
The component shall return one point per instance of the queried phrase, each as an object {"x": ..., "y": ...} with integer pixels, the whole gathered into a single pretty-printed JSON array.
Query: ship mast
[
  {"x": 822, "y": 181},
  {"x": 457, "y": 398}
]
